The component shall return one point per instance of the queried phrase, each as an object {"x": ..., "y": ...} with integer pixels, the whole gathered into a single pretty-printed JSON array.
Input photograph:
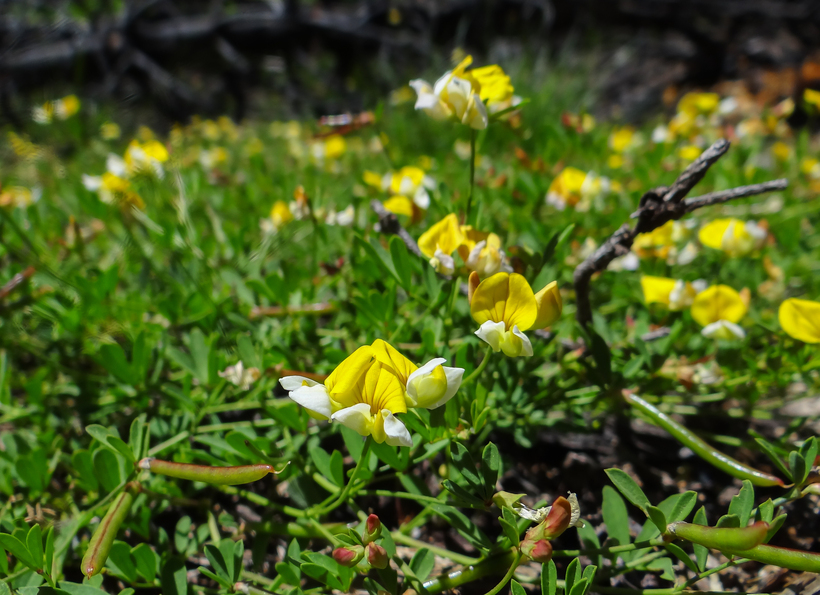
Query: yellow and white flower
[
  {"x": 674, "y": 294},
  {"x": 456, "y": 94},
  {"x": 718, "y": 309},
  {"x": 440, "y": 241},
  {"x": 732, "y": 236},
  {"x": 800, "y": 319},
  {"x": 505, "y": 306}
]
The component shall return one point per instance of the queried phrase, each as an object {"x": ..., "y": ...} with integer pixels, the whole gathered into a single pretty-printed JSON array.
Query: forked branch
[{"x": 657, "y": 207}]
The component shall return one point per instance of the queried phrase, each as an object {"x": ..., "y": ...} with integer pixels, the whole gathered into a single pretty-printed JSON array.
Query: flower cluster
[
  {"x": 575, "y": 188},
  {"x": 62, "y": 109},
  {"x": 480, "y": 251},
  {"x": 373, "y": 385},
  {"x": 409, "y": 190}
]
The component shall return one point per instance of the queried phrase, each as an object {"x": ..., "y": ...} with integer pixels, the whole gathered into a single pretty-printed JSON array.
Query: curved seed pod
[
  {"x": 723, "y": 539},
  {"x": 708, "y": 453},
  {"x": 100, "y": 544},
  {"x": 229, "y": 476},
  {"x": 781, "y": 556}
]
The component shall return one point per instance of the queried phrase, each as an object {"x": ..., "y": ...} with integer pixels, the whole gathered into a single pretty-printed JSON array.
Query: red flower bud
[
  {"x": 348, "y": 555},
  {"x": 372, "y": 529},
  {"x": 539, "y": 551},
  {"x": 559, "y": 518},
  {"x": 377, "y": 556}
]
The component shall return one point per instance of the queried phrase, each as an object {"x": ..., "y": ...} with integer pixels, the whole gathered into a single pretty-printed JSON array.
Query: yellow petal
[
  {"x": 373, "y": 179},
  {"x": 800, "y": 319},
  {"x": 400, "y": 205},
  {"x": 712, "y": 233},
  {"x": 382, "y": 389},
  {"x": 389, "y": 356},
  {"x": 444, "y": 235},
  {"x": 505, "y": 297},
  {"x": 347, "y": 374},
  {"x": 656, "y": 290},
  {"x": 549, "y": 304},
  {"x": 718, "y": 302}
]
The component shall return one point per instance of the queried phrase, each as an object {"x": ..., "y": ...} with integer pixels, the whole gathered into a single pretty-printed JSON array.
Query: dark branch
[
  {"x": 389, "y": 224},
  {"x": 656, "y": 208}
]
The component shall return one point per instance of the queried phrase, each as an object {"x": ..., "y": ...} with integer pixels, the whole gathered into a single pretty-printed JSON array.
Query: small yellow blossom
[
  {"x": 110, "y": 131},
  {"x": 66, "y": 107},
  {"x": 565, "y": 189},
  {"x": 800, "y": 319},
  {"x": 718, "y": 309},
  {"x": 505, "y": 306},
  {"x": 457, "y": 94},
  {"x": 622, "y": 139},
  {"x": 18, "y": 196},
  {"x": 699, "y": 103},
  {"x": 440, "y": 241},
  {"x": 615, "y": 161},
  {"x": 732, "y": 236},
  {"x": 689, "y": 152},
  {"x": 810, "y": 167},
  {"x": 674, "y": 294},
  {"x": 812, "y": 97},
  {"x": 781, "y": 151}
]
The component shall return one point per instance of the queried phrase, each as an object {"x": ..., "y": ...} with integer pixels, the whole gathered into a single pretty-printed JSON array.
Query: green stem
[
  {"x": 346, "y": 492},
  {"x": 477, "y": 372},
  {"x": 472, "y": 176},
  {"x": 409, "y": 496},
  {"x": 399, "y": 537},
  {"x": 638, "y": 545},
  {"x": 503, "y": 582},
  {"x": 492, "y": 566}
]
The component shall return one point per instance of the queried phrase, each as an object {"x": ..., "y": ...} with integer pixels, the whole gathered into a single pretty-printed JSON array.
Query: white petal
[
  {"x": 442, "y": 82},
  {"x": 421, "y": 198},
  {"x": 421, "y": 86},
  {"x": 723, "y": 329},
  {"x": 92, "y": 183},
  {"x": 356, "y": 417},
  {"x": 490, "y": 332},
  {"x": 116, "y": 165},
  {"x": 396, "y": 432},
  {"x": 425, "y": 369},
  {"x": 314, "y": 398},
  {"x": 526, "y": 348},
  {"x": 290, "y": 383},
  {"x": 454, "y": 376}
]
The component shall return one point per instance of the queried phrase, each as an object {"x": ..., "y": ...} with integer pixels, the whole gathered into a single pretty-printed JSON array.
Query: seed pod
[
  {"x": 781, "y": 556},
  {"x": 100, "y": 544},
  {"x": 723, "y": 539},
  {"x": 214, "y": 475},
  {"x": 702, "y": 449}
]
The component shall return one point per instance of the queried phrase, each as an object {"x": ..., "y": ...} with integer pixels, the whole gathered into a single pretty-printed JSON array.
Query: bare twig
[
  {"x": 15, "y": 281},
  {"x": 389, "y": 224},
  {"x": 656, "y": 208}
]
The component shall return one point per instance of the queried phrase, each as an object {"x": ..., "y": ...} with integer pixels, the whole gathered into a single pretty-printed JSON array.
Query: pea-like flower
[
  {"x": 674, "y": 294},
  {"x": 409, "y": 189},
  {"x": 505, "y": 306},
  {"x": 429, "y": 386},
  {"x": 718, "y": 309},
  {"x": 732, "y": 236},
  {"x": 146, "y": 157},
  {"x": 360, "y": 393},
  {"x": 800, "y": 319},
  {"x": 457, "y": 94},
  {"x": 440, "y": 241}
]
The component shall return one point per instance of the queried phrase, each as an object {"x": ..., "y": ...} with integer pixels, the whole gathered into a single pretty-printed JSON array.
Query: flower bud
[
  {"x": 559, "y": 518},
  {"x": 348, "y": 555},
  {"x": 549, "y": 304},
  {"x": 538, "y": 551},
  {"x": 472, "y": 282},
  {"x": 372, "y": 529},
  {"x": 377, "y": 556}
]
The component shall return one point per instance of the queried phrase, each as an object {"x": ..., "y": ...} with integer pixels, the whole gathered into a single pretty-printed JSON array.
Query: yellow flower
[
  {"x": 109, "y": 131},
  {"x": 718, "y": 309},
  {"x": 43, "y": 114},
  {"x": 280, "y": 214},
  {"x": 810, "y": 167},
  {"x": 482, "y": 253},
  {"x": 615, "y": 161},
  {"x": 495, "y": 86},
  {"x": 429, "y": 386},
  {"x": 800, "y": 319},
  {"x": 361, "y": 393},
  {"x": 335, "y": 146},
  {"x": 400, "y": 205},
  {"x": 812, "y": 97},
  {"x": 565, "y": 189},
  {"x": 18, "y": 196},
  {"x": 694, "y": 104},
  {"x": 689, "y": 152},
  {"x": 781, "y": 151},
  {"x": 373, "y": 179},
  {"x": 675, "y": 294},
  {"x": 455, "y": 95},
  {"x": 505, "y": 306},
  {"x": 732, "y": 236},
  {"x": 621, "y": 139},
  {"x": 66, "y": 107},
  {"x": 440, "y": 241},
  {"x": 146, "y": 157}
]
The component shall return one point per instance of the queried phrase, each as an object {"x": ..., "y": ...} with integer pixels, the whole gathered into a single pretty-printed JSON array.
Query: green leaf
[
  {"x": 463, "y": 462},
  {"x": 113, "y": 359},
  {"x": 616, "y": 519},
  {"x": 742, "y": 504},
  {"x": 49, "y": 553},
  {"x": 215, "y": 577},
  {"x": 136, "y": 436},
  {"x": 174, "y": 577},
  {"x": 146, "y": 560},
  {"x": 490, "y": 469},
  {"x": 580, "y": 587},
  {"x": 120, "y": 561},
  {"x": 107, "y": 467},
  {"x": 17, "y": 549},
  {"x": 34, "y": 544},
  {"x": 330, "y": 469},
  {"x": 401, "y": 262},
  {"x": 181, "y": 531},
  {"x": 572, "y": 575},
  {"x": 289, "y": 573},
  {"x": 682, "y": 505},
  {"x": 423, "y": 563},
  {"x": 378, "y": 255},
  {"x": 730, "y": 521},
  {"x": 516, "y": 588},
  {"x": 200, "y": 355},
  {"x": 589, "y": 575},
  {"x": 462, "y": 494},
  {"x": 656, "y": 516},
  {"x": 114, "y": 443},
  {"x": 681, "y": 555},
  {"x": 627, "y": 486},
  {"x": 774, "y": 527},
  {"x": 510, "y": 530},
  {"x": 549, "y": 578},
  {"x": 602, "y": 356},
  {"x": 765, "y": 512},
  {"x": 798, "y": 467},
  {"x": 808, "y": 451},
  {"x": 83, "y": 464},
  {"x": 664, "y": 565},
  {"x": 770, "y": 452}
]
